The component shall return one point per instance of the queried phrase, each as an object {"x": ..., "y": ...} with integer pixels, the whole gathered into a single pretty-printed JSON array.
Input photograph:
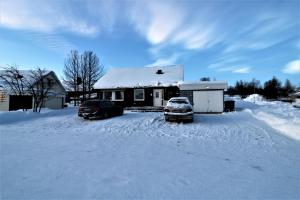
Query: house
[
  {"x": 140, "y": 86},
  {"x": 54, "y": 100},
  {"x": 154, "y": 86}
]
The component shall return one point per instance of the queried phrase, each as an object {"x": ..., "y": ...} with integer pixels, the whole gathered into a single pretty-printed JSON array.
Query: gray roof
[{"x": 203, "y": 85}]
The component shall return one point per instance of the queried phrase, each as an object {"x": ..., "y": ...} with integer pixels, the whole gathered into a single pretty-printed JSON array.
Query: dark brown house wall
[{"x": 169, "y": 92}]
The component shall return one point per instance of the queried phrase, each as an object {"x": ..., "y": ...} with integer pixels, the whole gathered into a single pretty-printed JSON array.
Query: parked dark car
[
  {"x": 96, "y": 109},
  {"x": 179, "y": 109}
]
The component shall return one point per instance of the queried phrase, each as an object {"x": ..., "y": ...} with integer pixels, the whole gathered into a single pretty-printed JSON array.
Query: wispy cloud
[
  {"x": 44, "y": 16},
  {"x": 165, "y": 61},
  {"x": 292, "y": 67},
  {"x": 52, "y": 41},
  {"x": 242, "y": 70},
  {"x": 263, "y": 31},
  {"x": 237, "y": 69},
  {"x": 168, "y": 26},
  {"x": 156, "y": 20}
]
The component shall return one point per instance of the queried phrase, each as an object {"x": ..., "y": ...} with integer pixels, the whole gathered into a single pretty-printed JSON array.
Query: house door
[{"x": 157, "y": 97}]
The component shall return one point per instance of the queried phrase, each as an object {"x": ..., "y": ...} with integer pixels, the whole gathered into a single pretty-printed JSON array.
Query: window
[
  {"x": 2, "y": 96},
  {"x": 156, "y": 94},
  {"x": 139, "y": 95},
  {"x": 107, "y": 95},
  {"x": 119, "y": 96}
]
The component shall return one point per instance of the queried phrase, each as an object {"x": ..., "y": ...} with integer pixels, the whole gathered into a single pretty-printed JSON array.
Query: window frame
[
  {"x": 122, "y": 95},
  {"x": 104, "y": 95},
  {"x": 134, "y": 94}
]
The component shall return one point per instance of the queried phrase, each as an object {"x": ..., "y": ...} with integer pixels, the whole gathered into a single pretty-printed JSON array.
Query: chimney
[{"x": 159, "y": 71}]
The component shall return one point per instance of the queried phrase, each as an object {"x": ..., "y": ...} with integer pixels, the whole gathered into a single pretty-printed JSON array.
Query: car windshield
[{"x": 179, "y": 101}]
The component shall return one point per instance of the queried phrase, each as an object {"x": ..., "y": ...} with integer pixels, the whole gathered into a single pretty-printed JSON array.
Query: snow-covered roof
[
  {"x": 141, "y": 77},
  {"x": 203, "y": 85},
  {"x": 26, "y": 74}
]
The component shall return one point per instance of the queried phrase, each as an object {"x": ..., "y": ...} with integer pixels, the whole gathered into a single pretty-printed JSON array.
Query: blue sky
[{"x": 225, "y": 40}]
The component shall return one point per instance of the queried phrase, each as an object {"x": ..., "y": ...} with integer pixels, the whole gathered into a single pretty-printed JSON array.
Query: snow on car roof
[
  {"x": 141, "y": 77},
  {"x": 178, "y": 98}
]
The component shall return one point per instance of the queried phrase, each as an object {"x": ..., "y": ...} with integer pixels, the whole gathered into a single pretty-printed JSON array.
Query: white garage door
[
  {"x": 54, "y": 103},
  {"x": 208, "y": 101}
]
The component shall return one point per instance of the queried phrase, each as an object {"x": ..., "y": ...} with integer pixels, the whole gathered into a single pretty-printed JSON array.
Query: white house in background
[
  {"x": 154, "y": 86},
  {"x": 55, "y": 99}
]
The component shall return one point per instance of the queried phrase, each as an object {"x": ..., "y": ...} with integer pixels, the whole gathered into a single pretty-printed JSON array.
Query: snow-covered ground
[{"x": 249, "y": 154}]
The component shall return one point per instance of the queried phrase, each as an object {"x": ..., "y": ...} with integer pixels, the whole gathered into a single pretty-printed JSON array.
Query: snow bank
[
  {"x": 254, "y": 98},
  {"x": 20, "y": 115},
  {"x": 237, "y": 155},
  {"x": 279, "y": 115}
]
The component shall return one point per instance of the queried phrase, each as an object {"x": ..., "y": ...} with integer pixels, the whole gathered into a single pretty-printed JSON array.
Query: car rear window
[
  {"x": 179, "y": 101},
  {"x": 91, "y": 103},
  {"x": 97, "y": 103}
]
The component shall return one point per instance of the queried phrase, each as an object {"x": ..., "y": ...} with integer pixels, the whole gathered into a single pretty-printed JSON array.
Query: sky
[{"x": 224, "y": 40}]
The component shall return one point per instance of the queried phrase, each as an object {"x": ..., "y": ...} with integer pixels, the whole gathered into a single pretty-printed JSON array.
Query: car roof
[{"x": 178, "y": 98}]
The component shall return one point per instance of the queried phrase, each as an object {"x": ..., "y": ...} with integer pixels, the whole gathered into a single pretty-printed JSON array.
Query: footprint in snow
[{"x": 257, "y": 167}]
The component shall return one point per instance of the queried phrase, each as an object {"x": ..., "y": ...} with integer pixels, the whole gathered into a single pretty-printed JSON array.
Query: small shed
[{"x": 206, "y": 96}]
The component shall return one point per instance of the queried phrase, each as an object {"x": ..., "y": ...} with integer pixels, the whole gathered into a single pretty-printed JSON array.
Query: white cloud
[
  {"x": 235, "y": 69},
  {"x": 195, "y": 25},
  {"x": 165, "y": 61},
  {"x": 165, "y": 23},
  {"x": 43, "y": 16},
  {"x": 292, "y": 67},
  {"x": 155, "y": 20},
  {"x": 195, "y": 37},
  {"x": 242, "y": 70}
]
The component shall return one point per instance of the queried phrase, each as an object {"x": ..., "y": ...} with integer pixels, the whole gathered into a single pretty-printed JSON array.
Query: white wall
[{"x": 4, "y": 106}]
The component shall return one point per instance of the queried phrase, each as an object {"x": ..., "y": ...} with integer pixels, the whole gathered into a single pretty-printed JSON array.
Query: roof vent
[{"x": 159, "y": 71}]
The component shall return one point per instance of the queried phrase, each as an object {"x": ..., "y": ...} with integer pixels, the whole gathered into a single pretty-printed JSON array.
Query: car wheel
[{"x": 85, "y": 117}]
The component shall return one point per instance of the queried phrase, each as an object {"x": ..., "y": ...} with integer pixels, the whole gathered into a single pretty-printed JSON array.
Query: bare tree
[
  {"x": 72, "y": 72},
  {"x": 93, "y": 70},
  {"x": 13, "y": 80},
  {"x": 39, "y": 87},
  {"x": 82, "y": 71}
]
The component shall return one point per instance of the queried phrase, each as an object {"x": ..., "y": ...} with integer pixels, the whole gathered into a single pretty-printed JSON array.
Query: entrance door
[{"x": 157, "y": 97}]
